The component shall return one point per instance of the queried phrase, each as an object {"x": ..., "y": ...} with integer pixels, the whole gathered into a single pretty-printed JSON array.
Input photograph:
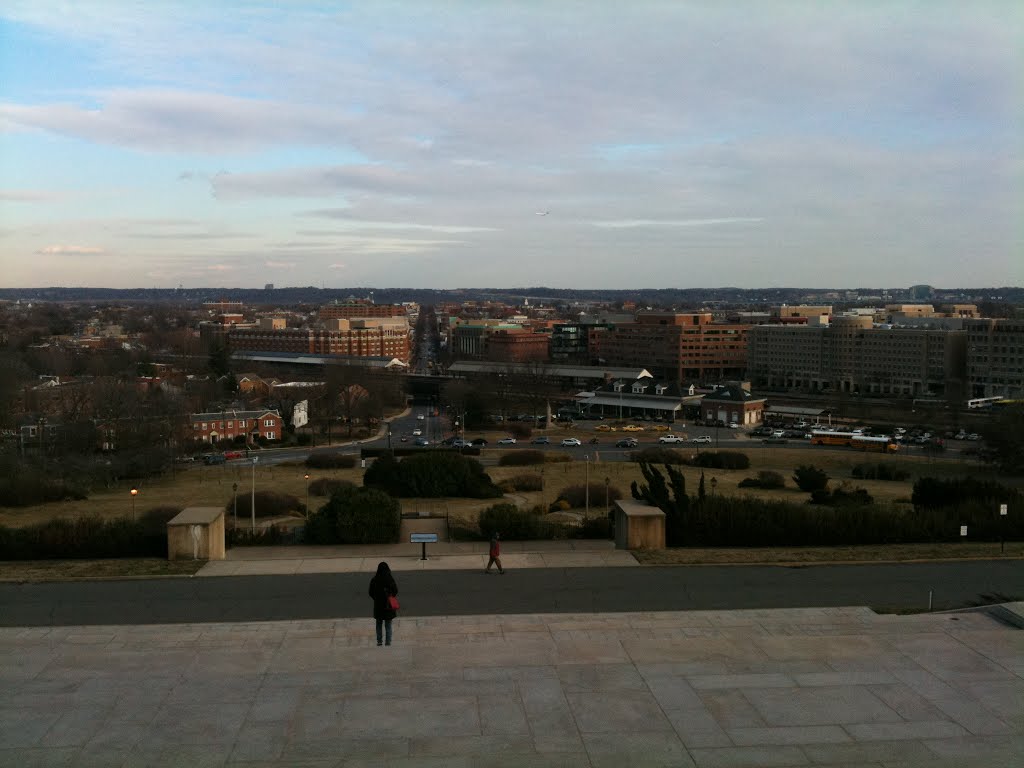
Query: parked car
[
  {"x": 541, "y": 441},
  {"x": 701, "y": 439},
  {"x": 417, "y": 432},
  {"x": 479, "y": 441},
  {"x": 571, "y": 442},
  {"x": 632, "y": 428},
  {"x": 507, "y": 441},
  {"x": 213, "y": 458},
  {"x": 421, "y": 417},
  {"x": 775, "y": 440},
  {"x": 672, "y": 439},
  {"x": 627, "y": 442},
  {"x": 603, "y": 428},
  {"x": 458, "y": 442}
]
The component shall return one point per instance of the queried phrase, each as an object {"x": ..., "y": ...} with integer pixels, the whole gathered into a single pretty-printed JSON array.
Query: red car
[{"x": 232, "y": 455}]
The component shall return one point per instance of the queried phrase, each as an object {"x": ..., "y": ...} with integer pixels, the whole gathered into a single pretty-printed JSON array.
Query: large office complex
[
  {"x": 995, "y": 358},
  {"x": 367, "y": 337}
]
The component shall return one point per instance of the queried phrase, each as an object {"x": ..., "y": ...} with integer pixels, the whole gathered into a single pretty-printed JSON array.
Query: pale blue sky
[{"x": 412, "y": 144}]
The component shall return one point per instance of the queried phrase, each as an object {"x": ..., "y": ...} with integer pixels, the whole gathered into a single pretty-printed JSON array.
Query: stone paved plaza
[{"x": 797, "y": 687}]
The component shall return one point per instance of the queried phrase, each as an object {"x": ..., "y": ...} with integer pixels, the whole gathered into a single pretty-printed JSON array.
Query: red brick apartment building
[
  {"x": 679, "y": 346},
  {"x": 357, "y": 308},
  {"x": 369, "y": 337},
  {"x": 227, "y": 425},
  {"x": 521, "y": 346}
]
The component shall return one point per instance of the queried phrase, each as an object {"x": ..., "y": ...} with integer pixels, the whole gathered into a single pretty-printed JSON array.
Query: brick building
[
  {"x": 679, "y": 346},
  {"x": 995, "y": 358},
  {"x": 518, "y": 346},
  {"x": 368, "y": 337},
  {"x": 227, "y": 425},
  {"x": 359, "y": 308}
]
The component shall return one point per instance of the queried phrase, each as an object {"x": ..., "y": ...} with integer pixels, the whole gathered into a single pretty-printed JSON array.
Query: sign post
[
  {"x": 423, "y": 539},
  {"x": 1002, "y": 534}
]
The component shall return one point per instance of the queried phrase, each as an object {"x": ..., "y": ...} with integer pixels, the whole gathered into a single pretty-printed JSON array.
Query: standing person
[
  {"x": 495, "y": 554},
  {"x": 382, "y": 587}
]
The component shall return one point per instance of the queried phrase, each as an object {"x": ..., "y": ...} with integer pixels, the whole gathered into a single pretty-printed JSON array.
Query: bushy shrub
[
  {"x": 155, "y": 519},
  {"x": 303, "y": 438},
  {"x": 659, "y": 455},
  {"x": 842, "y": 495},
  {"x": 596, "y": 528},
  {"x": 520, "y": 430},
  {"x": 765, "y": 479},
  {"x": 936, "y": 493},
  {"x": 521, "y": 458},
  {"x": 268, "y": 504},
  {"x": 326, "y": 486},
  {"x": 330, "y": 460},
  {"x": 576, "y": 495},
  {"x": 809, "y": 478},
  {"x": 720, "y": 460},
  {"x": 24, "y": 487},
  {"x": 433, "y": 474},
  {"x": 271, "y": 536},
  {"x": 355, "y": 516},
  {"x": 524, "y": 483},
  {"x": 512, "y": 523},
  {"x": 83, "y": 537},
  {"x": 879, "y": 471}
]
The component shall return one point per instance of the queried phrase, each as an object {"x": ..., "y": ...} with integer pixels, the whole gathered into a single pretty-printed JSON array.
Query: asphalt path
[{"x": 558, "y": 590}]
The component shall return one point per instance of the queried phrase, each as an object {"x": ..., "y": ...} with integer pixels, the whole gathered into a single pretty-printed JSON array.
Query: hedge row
[
  {"x": 515, "y": 524},
  {"x": 85, "y": 538},
  {"x": 355, "y": 516},
  {"x": 431, "y": 474}
]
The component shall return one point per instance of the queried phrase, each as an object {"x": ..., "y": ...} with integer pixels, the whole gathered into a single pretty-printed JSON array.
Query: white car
[
  {"x": 671, "y": 439},
  {"x": 702, "y": 439},
  {"x": 421, "y": 417},
  {"x": 734, "y": 425},
  {"x": 507, "y": 441},
  {"x": 417, "y": 432},
  {"x": 571, "y": 442}
]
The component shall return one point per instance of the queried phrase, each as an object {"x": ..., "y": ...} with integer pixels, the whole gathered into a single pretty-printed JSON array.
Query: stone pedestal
[
  {"x": 197, "y": 533},
  {"x": 638, "y": 525}
]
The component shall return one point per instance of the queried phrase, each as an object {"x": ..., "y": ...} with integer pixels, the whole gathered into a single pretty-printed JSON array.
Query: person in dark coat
[
  {"x": 494, "y": 554},
  {"x": 383, "y": 586}
]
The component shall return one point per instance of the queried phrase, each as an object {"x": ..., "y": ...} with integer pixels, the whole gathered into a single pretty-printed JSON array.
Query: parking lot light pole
[
  {"x": 234, "y": 492},
  {"x": 254, "y": 460},
  {"x": 586, "y": 486},
  {"x": 134, "y": 492},
  {"x": 306, "y": 476}
]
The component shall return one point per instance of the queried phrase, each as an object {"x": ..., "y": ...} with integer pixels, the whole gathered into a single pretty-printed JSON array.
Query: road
[{"x": 570, "y": 590}]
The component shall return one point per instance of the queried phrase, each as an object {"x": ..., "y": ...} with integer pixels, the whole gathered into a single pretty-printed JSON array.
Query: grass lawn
[{"x": 122, "y": 568}]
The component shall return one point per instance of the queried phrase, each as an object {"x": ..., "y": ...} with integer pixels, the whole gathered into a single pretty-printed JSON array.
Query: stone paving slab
[{"x": 798, "y": 687}]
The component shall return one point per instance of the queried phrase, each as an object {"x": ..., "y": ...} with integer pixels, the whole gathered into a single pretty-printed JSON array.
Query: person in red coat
[
  {"x": 383, "y": 586},
  {"x": 495, "y": 554}
]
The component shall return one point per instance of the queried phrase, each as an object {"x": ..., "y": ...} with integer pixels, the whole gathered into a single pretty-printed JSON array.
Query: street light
[
  {"x": 234, "y": 492},
  {"x": 606, "y": 481},
  {"x": 253, "y": 501},
  {"x": 306, "y": 476},
  {"x": 134, "y": 492},
  {"x": 586, "y": 485}
]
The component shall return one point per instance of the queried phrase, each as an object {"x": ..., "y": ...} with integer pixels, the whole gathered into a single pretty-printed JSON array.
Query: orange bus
[
  {"x": 821, "y": 437},
  {"x": 874, "y": 444}
]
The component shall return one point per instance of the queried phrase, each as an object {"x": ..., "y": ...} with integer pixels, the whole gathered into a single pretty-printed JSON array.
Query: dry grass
[
  {"x": 212, "y": 486},
  {"x": 807, "y": 555},
  {"x": 65, "y": 570}
]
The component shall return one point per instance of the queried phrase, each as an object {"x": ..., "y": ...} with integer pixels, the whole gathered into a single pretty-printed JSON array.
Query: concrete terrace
[{"x": 794, "y": 687}]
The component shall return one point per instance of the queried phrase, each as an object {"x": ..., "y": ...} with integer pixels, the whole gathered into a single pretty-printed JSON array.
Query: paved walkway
[
  {"x": 251, "y": 561},
  {"x": 796, "y": 687}
]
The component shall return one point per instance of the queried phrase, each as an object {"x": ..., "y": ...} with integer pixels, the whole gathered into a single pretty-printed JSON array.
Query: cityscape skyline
[{"x": 331, "y": 144}]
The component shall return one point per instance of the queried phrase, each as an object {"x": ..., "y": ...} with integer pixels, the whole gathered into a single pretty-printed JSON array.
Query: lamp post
[
  {"x": 234, "y": 494},
  {"x": 306, "y": 477},
  {"x": 134, "y": 492},
  {"x": 606, "y": 503},
  {"x": 586, "y": 485},
  {"x": 253, "y": 500}
]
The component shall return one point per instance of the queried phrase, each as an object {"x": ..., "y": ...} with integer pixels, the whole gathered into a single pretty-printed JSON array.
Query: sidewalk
[
  {"x": 713, "y": 689},
  {"x": 250, "y": 561}
]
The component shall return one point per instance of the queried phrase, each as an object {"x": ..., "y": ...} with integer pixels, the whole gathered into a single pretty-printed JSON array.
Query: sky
[{"x": 467, "y": 144}]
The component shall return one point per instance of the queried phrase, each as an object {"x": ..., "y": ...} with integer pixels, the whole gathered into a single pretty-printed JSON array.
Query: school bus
[{"x": 821, "y": 437}]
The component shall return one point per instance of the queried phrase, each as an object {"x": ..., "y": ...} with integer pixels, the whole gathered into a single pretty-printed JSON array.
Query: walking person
[
  {"x": 382, "y": 589},
  {"x": 495, "y": 554}
]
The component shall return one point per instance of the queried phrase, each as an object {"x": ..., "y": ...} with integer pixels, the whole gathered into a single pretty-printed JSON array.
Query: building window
[
  {"x": 241, "y": 423},
  {"x": 268, "y": 422},
  {"x": 204, "y": 426}
]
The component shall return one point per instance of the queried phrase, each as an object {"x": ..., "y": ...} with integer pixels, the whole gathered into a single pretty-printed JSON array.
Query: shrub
[
  {"x": 720, "y": 460},
  {"x": 524, "y": 483},
  {"x": 155, "y": 519},
  {"x": 935, "y": 493},
  {"x": 271, "y": 536},
  {"x": 268, "y": 504},
  {"x": 512, "y": 523},
  {"x": 303, "y": 438},
  {"x": 879, "y": 471},
  {"x": 521, "y": 458},
  {"x": 764, "y": 479},
  {"x": 330, "y": 460},
  {"x": 842, "y": 496},
  {"x": 596, "y": 528},
  {"x": 659, "y": 455},
  {"x": 326, "y": 486},
  {"x": 24, "y": 487},
  {"x": 519, "y": 429},
  {"x": 433, "y": 474},
  {"x": 809, "y": 478},
  {"x": 576, "y": 495},
  {"x": 356, "y": 516},
  {"x": 83, "y": 537}
]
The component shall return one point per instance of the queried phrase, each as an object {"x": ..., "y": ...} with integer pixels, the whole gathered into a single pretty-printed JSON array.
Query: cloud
[
  {"x": 634, "y": 223},
  {"x": 279, "y": 264},
  {"x": 161, "y": 120},
  {"x": 64, "y": 250}
]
